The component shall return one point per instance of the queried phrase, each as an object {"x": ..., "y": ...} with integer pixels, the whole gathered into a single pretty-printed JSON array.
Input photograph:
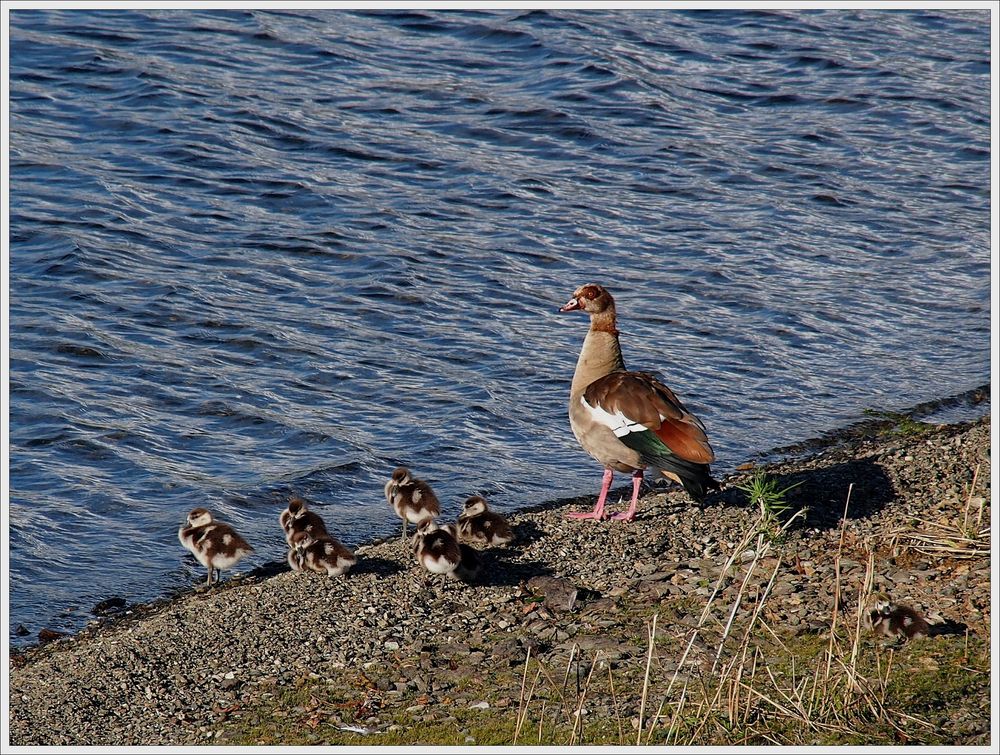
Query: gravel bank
[{"x": 294, "y": 657}]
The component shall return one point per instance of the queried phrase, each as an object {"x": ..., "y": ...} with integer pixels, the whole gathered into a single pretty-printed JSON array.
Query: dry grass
[
  {"x": 723, "y": 669},
  {"x": 755, "y": 690},
  {"x": 964, "y": 539}
]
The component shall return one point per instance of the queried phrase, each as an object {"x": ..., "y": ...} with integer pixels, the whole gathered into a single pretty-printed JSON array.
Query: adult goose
[{"x": 630, "y": 421}]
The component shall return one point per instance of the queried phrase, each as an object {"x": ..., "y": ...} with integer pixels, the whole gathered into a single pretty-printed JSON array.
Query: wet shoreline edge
[{"x": 124, "y": 613}]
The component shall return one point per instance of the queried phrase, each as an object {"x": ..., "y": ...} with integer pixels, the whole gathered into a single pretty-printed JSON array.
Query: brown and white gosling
[
  {"x": 411, "y": 499},
  {"x": 436, "y": 548},
  {"x": 298, "y": 518},
  {"x": 323, "y": 554},
  {"x": 894, "y": 619},
  {"x": 477, "y": 524},
  {"x": 216, "y": 545}
]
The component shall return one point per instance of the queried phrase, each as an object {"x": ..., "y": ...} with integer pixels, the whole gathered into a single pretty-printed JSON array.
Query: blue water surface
[{"x": 262, "y": 253}]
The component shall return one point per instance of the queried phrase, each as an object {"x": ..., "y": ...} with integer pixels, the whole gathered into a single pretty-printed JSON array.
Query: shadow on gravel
[
  {"x": 948, "y": 627},
  {"x": 268, "y": 570},
  {"x": 382, "y": 567},
  {"x": 497, "y": 569},
  {"x": 527, "y": 532},
  {"x": 824, "y": 492}
]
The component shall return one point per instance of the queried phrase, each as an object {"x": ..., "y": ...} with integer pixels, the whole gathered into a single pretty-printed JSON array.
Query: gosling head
[
  {"x": 199, "y": 517},
  {"x": 427, "y": 526},
  {"x": 401, "y": 475},
  {"x": 474, "y": 506},
  {"x": 296, "y": 507},
  {"x": 301, "y": 540}
]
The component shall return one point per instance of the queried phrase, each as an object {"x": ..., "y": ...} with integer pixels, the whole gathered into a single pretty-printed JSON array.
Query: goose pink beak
[{"x": 571, "y": 305}]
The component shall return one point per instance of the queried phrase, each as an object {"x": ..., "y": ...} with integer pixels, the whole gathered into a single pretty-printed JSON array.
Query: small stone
[
  {"x": 644, "y": 568},
  {"x": 48, "y": 635},
  {"x": 111, "y": 605},
  {"x": 481, "y": 705}
]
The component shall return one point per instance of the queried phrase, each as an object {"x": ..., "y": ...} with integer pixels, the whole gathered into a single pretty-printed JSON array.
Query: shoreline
[
  {"x": 113, "y": 609},
  {"x": 408, "y": 658}
]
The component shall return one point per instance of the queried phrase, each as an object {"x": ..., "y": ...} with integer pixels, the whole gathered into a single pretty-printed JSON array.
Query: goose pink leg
[
  {"x": 598, "y": 512},
  {"x": 628, "y": 516}
]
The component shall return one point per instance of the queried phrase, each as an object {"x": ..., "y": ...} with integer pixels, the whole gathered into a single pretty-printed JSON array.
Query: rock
[
  {"x": 657, "y": 576},
  {"x": 559, "y": 594},
  {"x": 110, "y": 605},
  {"x": 48, "y": 635}
]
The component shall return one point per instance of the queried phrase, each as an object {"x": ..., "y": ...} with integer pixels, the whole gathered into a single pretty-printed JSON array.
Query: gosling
[
  {"x": 298, "y": 518},
  {"x": 898, "y": 621},
  {"x": 322, "y": 555},
  {"x": 411, "y": 499},
  {"x": 216, "y": 545},
  {"x": 436, "y": 548},
  {"x": 480, "y": 526}
]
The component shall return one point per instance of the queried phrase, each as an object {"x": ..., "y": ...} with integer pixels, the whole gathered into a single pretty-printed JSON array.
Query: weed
[
  {"x": 896, "y": 424},
  {"x": 763, "y": 492}
]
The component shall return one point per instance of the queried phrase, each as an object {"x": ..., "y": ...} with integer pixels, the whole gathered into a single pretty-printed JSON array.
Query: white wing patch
[{"x": 620, "y": 424}]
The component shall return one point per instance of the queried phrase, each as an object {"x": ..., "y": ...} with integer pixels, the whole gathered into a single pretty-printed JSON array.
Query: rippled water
[{"x": 257, "y": 253}]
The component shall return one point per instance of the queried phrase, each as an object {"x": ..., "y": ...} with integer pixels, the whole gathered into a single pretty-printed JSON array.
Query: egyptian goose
[
  {"x": 629, "y": 421},
  {"x": 477, "y": 524},
  {"x": 411, "y": 499},
  {"x": 323, "y": 554},
  {"x": 298, "y": 518},
  {"x": 216, "y": 545},
  {"x": 436, "y": 548}
]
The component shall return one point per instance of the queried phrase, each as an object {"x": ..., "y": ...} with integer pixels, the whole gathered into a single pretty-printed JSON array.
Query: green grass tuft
[
  {"x": 763, "y": 492},
  {"x": 898, "y": 425}
]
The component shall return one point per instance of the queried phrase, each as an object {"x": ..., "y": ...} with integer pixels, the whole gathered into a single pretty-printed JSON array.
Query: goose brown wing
[{"x": 635, "y": 402}]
